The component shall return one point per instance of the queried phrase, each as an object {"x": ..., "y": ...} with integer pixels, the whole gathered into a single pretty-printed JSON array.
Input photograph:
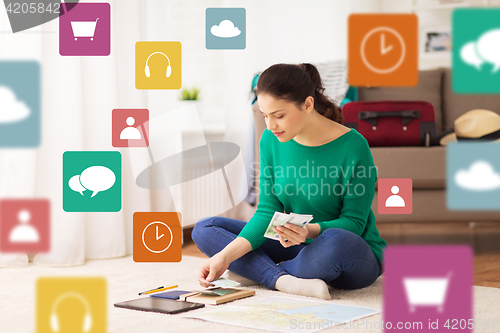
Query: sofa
[{"x": 426, "y": 166}]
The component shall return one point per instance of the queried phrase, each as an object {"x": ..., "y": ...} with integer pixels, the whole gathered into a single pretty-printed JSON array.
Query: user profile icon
[
  {"x": 24, "y": 225},
  {"x": 130, "y": 128},
  {"x": 395, "y": 195}
]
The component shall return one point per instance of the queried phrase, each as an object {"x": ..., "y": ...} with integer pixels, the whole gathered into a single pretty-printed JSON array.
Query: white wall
[{"x": 431, "y": 17}]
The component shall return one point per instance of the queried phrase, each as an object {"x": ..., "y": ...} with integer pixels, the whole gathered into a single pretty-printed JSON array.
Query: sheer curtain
[{"x": 78, "y": 94}]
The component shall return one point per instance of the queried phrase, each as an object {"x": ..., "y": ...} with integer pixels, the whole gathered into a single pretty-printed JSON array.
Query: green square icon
[
  {"x": 92, "y": 181},
  {"x": 476, "y": 51}
]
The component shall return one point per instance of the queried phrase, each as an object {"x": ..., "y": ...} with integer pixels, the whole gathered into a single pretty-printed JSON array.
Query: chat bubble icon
[
  {"x": 97, "y": 178},
  {"x": 488, "y": 48},
  {"x": 469, "y": 55},
  {"x": 75, "y": 185}
]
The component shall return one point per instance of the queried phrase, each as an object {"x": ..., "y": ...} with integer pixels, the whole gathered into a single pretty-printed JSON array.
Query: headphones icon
[
  {"x": 146, "y": 69},
  {"x": 87, "y": 320}
]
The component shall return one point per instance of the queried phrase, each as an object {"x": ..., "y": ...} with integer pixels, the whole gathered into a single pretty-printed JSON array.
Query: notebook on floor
[
  {"x": 174, "y": 294},
  {"x": 217, "y": 296}
]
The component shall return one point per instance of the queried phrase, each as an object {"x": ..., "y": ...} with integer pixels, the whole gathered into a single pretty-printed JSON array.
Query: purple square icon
[
  {"x": 428, "y": 288},
  {"x": 85, "y": 30}
]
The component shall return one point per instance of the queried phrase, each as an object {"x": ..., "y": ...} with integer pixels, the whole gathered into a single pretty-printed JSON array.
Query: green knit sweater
[{"x": 335, "y": 182}]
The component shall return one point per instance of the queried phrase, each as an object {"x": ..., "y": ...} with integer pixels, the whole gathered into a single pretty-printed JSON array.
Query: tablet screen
[{"x": 159, "y": 305}]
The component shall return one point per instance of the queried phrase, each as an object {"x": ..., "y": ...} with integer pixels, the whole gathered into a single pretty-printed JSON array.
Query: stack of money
[
  {"x": 220, "y": 283},
  {"x": 224, "y": 283},
  {"x": 281, "y": 219}
]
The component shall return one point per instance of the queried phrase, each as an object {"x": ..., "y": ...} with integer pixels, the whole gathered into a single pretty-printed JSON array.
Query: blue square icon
[
  {"x": 225, "y": 28},
  {"x": 473, "y": 176},
  {"x": 19, "y": 104}
]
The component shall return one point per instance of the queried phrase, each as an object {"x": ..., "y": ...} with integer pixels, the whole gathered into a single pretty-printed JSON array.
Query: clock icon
[
  {"x": 389, "y": 45},
  {"x": 158, "y": 235}
]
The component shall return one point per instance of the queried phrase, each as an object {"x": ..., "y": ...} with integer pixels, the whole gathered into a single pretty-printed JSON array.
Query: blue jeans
[{"x": 339, "y": 257}]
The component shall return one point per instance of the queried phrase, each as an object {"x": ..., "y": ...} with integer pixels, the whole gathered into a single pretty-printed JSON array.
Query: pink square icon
[
  {"x": 130, "y": 127},
  {"x": 427, "y": 288},
  {"x": 24, "y": 225},
  {"x": 394, "y": 195},
  {"x": 85, "y": 30}
]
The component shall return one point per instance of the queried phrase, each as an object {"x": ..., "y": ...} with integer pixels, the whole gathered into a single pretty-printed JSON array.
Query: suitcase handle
[{"x": 406, "y": 116}]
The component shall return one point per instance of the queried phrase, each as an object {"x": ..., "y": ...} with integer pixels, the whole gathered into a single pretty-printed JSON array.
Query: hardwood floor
[
  {"x": 483, "y": 237},
  {"x": 189, "y": 248}
]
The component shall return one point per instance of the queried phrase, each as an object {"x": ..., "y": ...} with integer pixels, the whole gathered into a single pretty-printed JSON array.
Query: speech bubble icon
[
  {"x": 97, "y": 178},
  {"x": 74, "y": 184},
  {"x": 469, "y": 55},
  {"x": 488, "y": 47}
]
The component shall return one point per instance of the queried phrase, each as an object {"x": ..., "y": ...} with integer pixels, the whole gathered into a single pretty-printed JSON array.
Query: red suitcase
[{"x": 392, "y": 123}]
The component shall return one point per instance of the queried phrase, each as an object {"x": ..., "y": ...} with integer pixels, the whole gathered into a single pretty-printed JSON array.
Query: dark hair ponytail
[{"x": 295, "y": 83}]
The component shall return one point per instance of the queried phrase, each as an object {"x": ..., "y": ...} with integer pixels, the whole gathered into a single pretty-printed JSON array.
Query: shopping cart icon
[
  {"x": 426, "y": 291},
  {"x": 84, "y": 29},
  {"x": 77, "y": 30}
]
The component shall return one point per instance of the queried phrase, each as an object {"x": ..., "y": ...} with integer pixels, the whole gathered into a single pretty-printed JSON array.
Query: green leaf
[{"x": 190, "y": 94}]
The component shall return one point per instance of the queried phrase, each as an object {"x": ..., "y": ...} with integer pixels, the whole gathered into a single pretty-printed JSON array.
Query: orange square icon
[
  {"x": 383, "y": 50},
  {"x": 157, "y": 237}
]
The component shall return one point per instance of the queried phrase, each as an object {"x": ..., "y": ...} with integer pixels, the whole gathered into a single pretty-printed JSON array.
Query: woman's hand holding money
[{"x": 291, "y": 234}]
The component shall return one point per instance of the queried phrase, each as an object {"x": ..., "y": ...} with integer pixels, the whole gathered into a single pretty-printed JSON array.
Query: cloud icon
[
  {"x": 11, "y": 110},
  {"x": 225, "y": 29},
  {"x": 480, "y": 177},
  {"x": 95, "y": 178},
  {"x": 486, "y": 49}
]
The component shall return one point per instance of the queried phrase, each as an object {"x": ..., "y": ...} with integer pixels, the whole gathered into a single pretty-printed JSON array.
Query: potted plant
[{"x": 190, "y": 96}]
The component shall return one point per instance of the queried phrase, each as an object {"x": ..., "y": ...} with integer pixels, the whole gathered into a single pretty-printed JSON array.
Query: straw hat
[{"x": 475, "y": 125}]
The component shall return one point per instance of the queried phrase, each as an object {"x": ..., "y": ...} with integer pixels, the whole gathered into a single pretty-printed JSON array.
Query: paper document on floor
[{"x": 283, "y": 314}]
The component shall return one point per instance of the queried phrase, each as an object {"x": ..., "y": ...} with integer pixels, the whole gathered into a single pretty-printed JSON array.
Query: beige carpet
[{"x": 126, "y": 278}]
